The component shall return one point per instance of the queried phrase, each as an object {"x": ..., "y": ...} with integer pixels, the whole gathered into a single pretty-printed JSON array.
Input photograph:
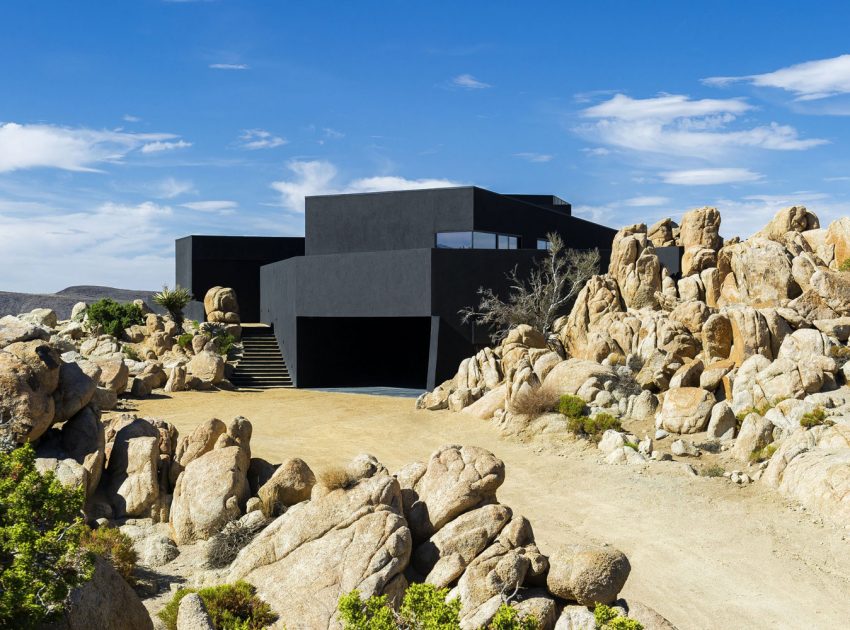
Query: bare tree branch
[{"x": 540, "y": 298}]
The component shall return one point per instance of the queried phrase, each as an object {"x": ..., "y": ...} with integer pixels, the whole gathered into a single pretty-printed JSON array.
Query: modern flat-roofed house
[{"x": 374, "y": 298}]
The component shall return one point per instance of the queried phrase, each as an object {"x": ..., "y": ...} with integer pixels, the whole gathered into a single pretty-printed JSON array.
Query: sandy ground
[{"x": 704, "y": 552}]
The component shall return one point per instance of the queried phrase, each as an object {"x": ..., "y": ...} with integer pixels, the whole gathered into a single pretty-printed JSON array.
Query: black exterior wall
[{"x": 230, "y": 261}]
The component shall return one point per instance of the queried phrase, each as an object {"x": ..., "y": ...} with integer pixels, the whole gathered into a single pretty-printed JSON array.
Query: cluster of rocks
[
  {"x": 47, "y": 366},
  {"x": 736, "y": 349}
]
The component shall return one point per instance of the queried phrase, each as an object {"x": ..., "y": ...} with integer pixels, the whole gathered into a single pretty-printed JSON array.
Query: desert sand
[{"x": 705, "y": 553}]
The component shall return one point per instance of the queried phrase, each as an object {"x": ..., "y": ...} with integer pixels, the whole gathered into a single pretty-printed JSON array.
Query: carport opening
[{"x": 363, "y": 351}]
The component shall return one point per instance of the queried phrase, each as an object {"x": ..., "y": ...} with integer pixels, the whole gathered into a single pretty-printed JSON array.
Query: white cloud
[
  {"x": 534, "y": 157},
  {"x": 131, "y": 118},
  {"x": 469, "y": 82},
  {"x": 809, "y": 81},
  {"x": 253, "y": 139},
  {"x": 675, "y": 125},
  {"x": 743, "y": 217},
  {"x": 72, "y": 149},
  {"x": 643, "y": 202},
  {"x": 169, "y": 188},
  {"x": 710, "y": 176},
  {"x": 596, "y": 151},
  {"x": 319, "y": 177},
  {"x": 159, "y": 146},
  {"x": 333, "y": 134},
  {"x": 222, "y": 207},
  {"x": 121, "y": 245},
  {"x": 229, "y": 66}
]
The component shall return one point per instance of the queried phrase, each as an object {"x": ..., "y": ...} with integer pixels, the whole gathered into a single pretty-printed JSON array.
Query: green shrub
[
  {"x": 507, "y": 618},
  {"x": 763, "y": 454},
  {"x": 608, "y": 618},
  {"x": 713, "y": 471},
  {"x": 423, "y": 606},
  {"x": 113, "y": 317},
  {"x": 219, "y": 334},
  {"x": 845, "y": 265},
  {"x": 114, "y": 546},
  {"x": 40, "y": 529},
  {"x": 130, "y": 353},
  {"x": 815, "y": 418},
  {"x": 174, "y": 301},
  {"x": 759, "y": 411},
  {"x": 230, "y": 606},
  {"x": 571, "y": 406},
  {"x": 185, "y": 340},
  {"x": 593, "y": 426},
  {"x": 631, "y": 445}
]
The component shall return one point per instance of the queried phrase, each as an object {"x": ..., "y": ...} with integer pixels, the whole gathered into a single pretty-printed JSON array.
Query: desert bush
[
  {"x": 230, "y": 606},
  {"x": 763, "y": 454},
  {"x": 759, "y": 411},
  {"x": 40, "y": 529},
  {"x": 114, "y": 546},
  {"x": 113, "y": 317},
  {"x": 593, "y": 426},
  {"x": 218, "y": 331},
  {"x": 845, "y": 265},
  {"x": 608, "y": 618},
  {"x": 815, "y": 418},
  {"x": 541, "y": 297},
  {"x": 532, "y": 401},
  {"x": 334, "y": 478},
  {"x": 571, "y": 406},
  {"x": 131, "y": 353},
  {"x": 174, "y": 301},
  {"x": 507, "y": 618},
  {"x": 223, "y": 547},
  {"x": 713, "y": 471},
  {"x": 185, "y": 340}
]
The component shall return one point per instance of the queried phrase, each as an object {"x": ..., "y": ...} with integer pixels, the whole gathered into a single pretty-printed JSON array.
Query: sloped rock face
[
  {"x": 350, "y": 538},
  {"x": 131, "y": 475},
  {"x": 813, "y": 467},
  {"x": 29, "y": 375},
  {"x": 635, "y": 267},
  {"x": 759, "y": 273}
]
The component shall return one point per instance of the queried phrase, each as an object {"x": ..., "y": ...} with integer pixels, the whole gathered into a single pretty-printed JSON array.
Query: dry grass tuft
[
  {"x": 335, "y": 477},
  {"x": 533, "y": 401}
]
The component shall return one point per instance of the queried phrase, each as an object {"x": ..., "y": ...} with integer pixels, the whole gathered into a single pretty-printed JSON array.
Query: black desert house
[{"x": 370, "y": 296}]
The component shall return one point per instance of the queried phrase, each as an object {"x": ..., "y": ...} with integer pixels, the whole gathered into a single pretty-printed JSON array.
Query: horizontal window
[
  {"x": 542, "y": 243},
  {"x": 476, "y": 240}
]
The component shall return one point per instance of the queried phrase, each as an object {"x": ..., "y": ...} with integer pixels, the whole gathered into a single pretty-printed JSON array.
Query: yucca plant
[{"x": 174, "y": 301}]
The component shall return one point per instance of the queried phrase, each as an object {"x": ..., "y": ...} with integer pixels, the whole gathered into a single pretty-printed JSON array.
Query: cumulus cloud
[
  {"x": 229, "y": 66},
  {"x": 534, "y": 157},
  {"x": 319, "y": 177},
  {"x": 253, "y": 139},
  {"x": 159, "y": 146},
  {"x": 469, "y": 82},
  {"x": 809, "y": 81},
  {"x": 676, "y": 125},
  {"x": 121, "y": 245},
  {"x": 222, "y": 207},
  {"x": 72, "y": 149},
  {"x": 710, "y": 176},
  {"x": 131, "y": 118}
]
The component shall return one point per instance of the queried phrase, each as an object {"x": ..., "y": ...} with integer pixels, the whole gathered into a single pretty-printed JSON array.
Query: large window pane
[
  {"x": 504, "y": 241},
  {"x": 454, "y": 240},
  {"x": 542, "y": 243},
  {"x": 483, "y": 240},
  {"x": 512, "y": 242}
]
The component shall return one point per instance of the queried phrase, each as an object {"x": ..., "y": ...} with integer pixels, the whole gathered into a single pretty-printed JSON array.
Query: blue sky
[{"x": 125, "y": 125}]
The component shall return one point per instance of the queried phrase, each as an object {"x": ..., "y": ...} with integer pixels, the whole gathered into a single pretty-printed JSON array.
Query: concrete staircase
[{"x": 262, "y": 366}]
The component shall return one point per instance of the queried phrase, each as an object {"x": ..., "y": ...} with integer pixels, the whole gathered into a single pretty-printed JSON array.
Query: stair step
[{"x": 262, "y": 365}]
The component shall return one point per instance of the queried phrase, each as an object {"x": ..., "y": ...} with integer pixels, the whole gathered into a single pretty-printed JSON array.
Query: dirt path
[{"x": 704, "y": 552}]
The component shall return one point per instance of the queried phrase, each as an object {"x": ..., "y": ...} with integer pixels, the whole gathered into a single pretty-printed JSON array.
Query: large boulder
[
  {"x": 756, "y": 433},
  {"x": 207, "y": 366},
  {"x": 221, "y": 305},
  {"x": 635, "y": 266},
  {"x": 757, "y": 272},
  {"x": 131, "y": 481},
  {"x": 350, "y": 538},
  {"x": 750, "y": 334},
  {"x": 838, "y": 238},
  {"x": 201, "y": 440},
  {"x": 193, "y": 615},
  {"x": 83, "y": 439},
  {"x": 587, "y": 574},
  {"x": 568, "y": 376},
  {"x": 456, "y": 479},
  {"x": 834, "y": 288},
  {"x": 700, "y": 228},
  {"x": 291, "y": 483},
  {"x": 29, "y": 375},
  {"x": 77, "y": 385},
  {"x": 686, "y": 410},
  {"x": 599, "y": 296},
  {"x": 793, "y": 219},
  {"x": 106, "y": 601},
  {"x": 13, "y": 330},
  {"x": 42, "y": 317},
  {"x": 114, "y": 374},
  {"x": 211, "y": 492}
]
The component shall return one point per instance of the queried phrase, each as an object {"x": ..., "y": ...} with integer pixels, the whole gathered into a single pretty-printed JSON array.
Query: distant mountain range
[{"x": 63, "y": 301}]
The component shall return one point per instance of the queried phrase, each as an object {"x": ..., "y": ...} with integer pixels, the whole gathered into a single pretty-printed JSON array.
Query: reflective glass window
[
  {"x": 542, "y": 243},
  {"x": 483, "y": 240},
  {"x": 454, "y": 240}
]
